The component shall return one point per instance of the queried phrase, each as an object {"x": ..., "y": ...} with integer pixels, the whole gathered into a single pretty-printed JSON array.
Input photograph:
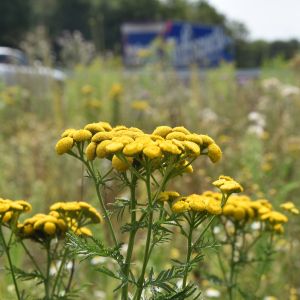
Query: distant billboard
[{"x": 179, "y": 43}]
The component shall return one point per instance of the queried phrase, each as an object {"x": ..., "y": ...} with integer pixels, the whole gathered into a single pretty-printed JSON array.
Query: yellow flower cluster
[
  {"x": 240, "y": 208},
  {"x": 290, "y": 207},
  {"x": 63, "y": 216},
  {"x": 228, "y": 185},
  {"x": 10, "y": 210},
  {"x": 124, "y": 145},
  {"x": 82, "y": 211},
  {"x": 41, "y": 227},
  {"x": 198, "y": 203}
]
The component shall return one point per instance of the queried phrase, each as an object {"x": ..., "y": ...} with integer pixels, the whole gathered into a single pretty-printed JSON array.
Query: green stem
[
  {"x": 140, "y": 282},
  {"x": 103, "y": 208},
  {"x": 231, "y": 285},
  {"x": 131, "y": 236},
  {"x": 62, "y": 264},
  {"x": 97, "y": 186},
  {"x": 189, "y": 250},
  {"x": 32, "y": 259},
  {"x": 11, "y": 267},
  {"x": 47, "y": 278}
]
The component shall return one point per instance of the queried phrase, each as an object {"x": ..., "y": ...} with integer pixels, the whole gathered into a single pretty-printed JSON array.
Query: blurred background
[{"x": 227, "y": 68}]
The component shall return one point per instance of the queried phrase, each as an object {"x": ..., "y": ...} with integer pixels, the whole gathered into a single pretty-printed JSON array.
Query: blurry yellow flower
[
  {"x": 141, "y": 105},
  {"x": 290, "y": 206},
  {"x": 180, "y": 206},
  {"x": 87, "y": 90},
  {"x": 94, "y": 103},
  {"x": 116, "y": 90},
  {"x": 168, "y": 195}
]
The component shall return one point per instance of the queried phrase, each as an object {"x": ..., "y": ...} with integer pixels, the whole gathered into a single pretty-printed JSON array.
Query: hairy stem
[
  {"x": 189, "y": 250},
  {"x": 131, "y": 236}
]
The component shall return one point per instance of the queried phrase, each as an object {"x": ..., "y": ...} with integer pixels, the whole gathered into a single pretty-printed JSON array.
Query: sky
[{"x": 265, "y": 19}]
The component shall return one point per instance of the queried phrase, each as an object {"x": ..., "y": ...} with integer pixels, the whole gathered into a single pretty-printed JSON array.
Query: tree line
[{"x": 100, "y": 21}]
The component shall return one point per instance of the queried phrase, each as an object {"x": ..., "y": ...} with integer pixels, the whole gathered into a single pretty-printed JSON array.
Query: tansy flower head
[
  {"x": 82, "y": 135},
  {"x": 227, "y": 185},
  {"x": 168, "y": 195},
  {"x": 64, "y": 145}
]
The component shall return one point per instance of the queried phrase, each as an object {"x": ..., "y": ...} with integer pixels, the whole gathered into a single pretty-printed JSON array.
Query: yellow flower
[
  {"x": 121, "y": 165},
  {"x": 64, "y": 145},
  {"x": 116, "y": 90},
  {"x": 169, "y": 147},
  {"x": 82, "y": 135},
  {"x": 278, "y": 228},
  {"x": 227, "y": 185},
  {"x": 176, "y": 135},
  {"x": 90, "y": 151},
  {"x": 101, "y": 149},
  {"x": 50, "y": 228},
  {"x": 94, "y": 127},
  {"x": 101, "y": 136},
  {"x": 192, "y": 147},
  {"x": 180, "y": 206},
  {"x": 196, "y": 138},
  {"x": 290, "y": 206},
  {"x": 168, "y": 195},
  {"x": 206, "y": 140},
  {"x": 87, "y": 90},
  {"x": 68, "y": 132},
  {"x": 84, "y": 231},
  {"x": 181, "y": 129},
  {"x": 214, "y": 152},
  {"x": 140, "y": 105},
  {"x": 114, "y": 147},
  {"x": 133, "y": 149},
  {"x": 162, "y": 131},
  {"x": 152, "y": 151}
]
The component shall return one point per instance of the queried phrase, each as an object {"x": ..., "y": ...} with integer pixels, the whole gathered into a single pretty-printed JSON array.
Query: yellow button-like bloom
[
  {"x": 192, "y": 147},
  {"x": 64, "y": 145},
  {"x": 68, "y": 132},
  {"x": 169, "y": 147},
  {"x": 162, "y": 131},
  {"x": 168, "y": 195},
  {"x": 114, "y": 147},
  {"x": 227, "y": 185},
  {"x": 90, "y": 151},
  {"x": 181, "y": 129},
  {"x": 121, "y": 165},
  {"x": 101, "y": 149},
  {"x": 94, "y": 127},
  {"x": 152, "y": 151},
  {"x": 82, "y": 135},
  {"x": 180, "y": 136},
  {"x": 214, "y": 152},
  {"x": 101, "y": 136},
  {"x": 180, "y": 206},
  {"x": 133, "y": 149},
  {"x": 50, "y": 228}
]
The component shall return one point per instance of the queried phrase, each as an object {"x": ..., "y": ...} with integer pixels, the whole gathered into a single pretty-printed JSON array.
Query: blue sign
[{"x": 179, "y": 43}]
